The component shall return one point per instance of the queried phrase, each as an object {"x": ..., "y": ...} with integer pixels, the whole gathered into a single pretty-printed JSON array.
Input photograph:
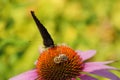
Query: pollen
[{"x": 59, "y": 63}]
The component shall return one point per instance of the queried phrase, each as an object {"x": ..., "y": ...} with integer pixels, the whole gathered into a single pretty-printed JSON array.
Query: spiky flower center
[{"x": 59, "y": 63}]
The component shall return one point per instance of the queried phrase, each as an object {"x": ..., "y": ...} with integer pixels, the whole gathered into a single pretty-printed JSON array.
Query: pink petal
[
  {"x": 105, "y": 62},
  {"x": 86, "y": 55},
  {"x": 86, "y": 77},
  {"x": 73, "y": 79},
  {"x": 106, "y": 74},
  {"x": 35, "y": 62},
  {"x": 29, "y": 75},
  {"x": 93, "y": 66},
  {"x": 41, "y": 49}
]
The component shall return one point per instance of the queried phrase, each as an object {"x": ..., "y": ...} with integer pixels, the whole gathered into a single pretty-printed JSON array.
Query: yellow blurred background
[{"x": 81, "y": 24}]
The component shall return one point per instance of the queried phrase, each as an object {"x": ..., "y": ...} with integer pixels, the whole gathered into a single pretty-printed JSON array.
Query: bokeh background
[{"x": 81, "y": 24}]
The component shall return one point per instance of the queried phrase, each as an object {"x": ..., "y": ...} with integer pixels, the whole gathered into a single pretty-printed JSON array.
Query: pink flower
[
  {"x": 63, "y": 63},
  {"x": 59, "y": 62}
]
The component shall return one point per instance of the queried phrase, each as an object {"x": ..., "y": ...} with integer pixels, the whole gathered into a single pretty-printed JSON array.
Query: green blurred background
[{"x": 81, "y": 24}]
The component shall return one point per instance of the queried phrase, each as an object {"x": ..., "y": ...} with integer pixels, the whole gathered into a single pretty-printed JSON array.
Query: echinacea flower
[{"x": 60, "y": 62}]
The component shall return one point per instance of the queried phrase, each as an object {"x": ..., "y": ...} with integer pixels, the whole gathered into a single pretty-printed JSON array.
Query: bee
[{"x": 60, "y": 58}]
